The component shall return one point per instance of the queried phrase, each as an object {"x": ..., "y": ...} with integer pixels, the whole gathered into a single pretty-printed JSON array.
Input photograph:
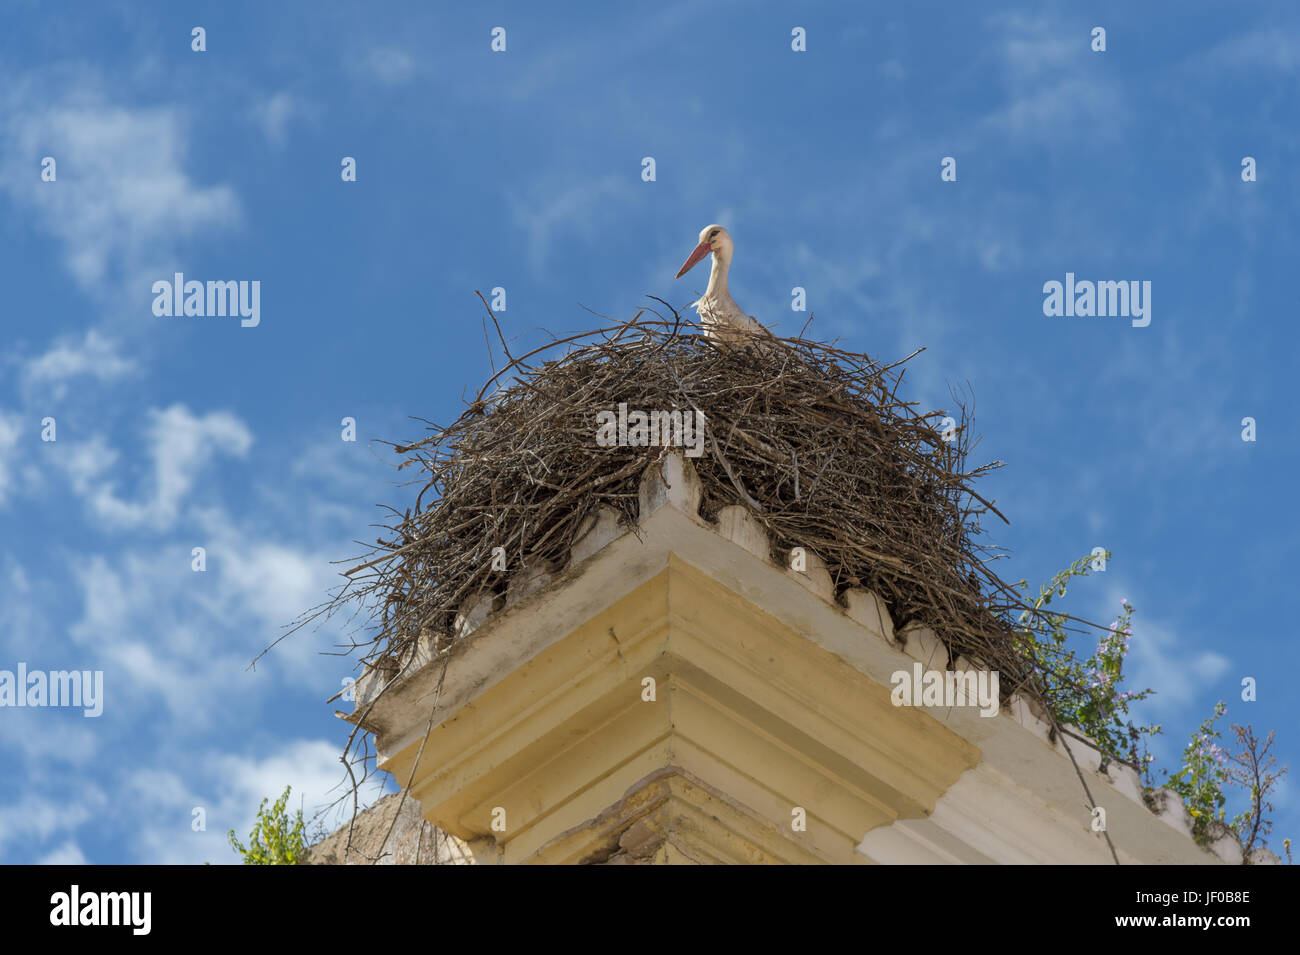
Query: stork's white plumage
[{"x": 721, "y": 317}]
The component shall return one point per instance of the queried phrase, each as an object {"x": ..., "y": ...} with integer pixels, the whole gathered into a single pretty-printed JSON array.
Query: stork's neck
[{"x": 717, "y": 279}]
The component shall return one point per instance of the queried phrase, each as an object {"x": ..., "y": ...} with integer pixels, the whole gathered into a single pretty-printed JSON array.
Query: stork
[{"x": 722, "y": 318}]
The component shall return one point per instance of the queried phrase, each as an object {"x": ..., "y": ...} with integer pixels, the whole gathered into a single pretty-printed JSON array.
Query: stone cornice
[{"x": 771, "y": 697}]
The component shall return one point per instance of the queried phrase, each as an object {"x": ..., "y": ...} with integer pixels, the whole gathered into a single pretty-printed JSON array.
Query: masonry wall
[{"x": 413, "y": 841}]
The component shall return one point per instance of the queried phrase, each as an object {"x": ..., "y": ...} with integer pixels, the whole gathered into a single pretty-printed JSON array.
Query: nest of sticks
[{"x": 814, "y": 441}]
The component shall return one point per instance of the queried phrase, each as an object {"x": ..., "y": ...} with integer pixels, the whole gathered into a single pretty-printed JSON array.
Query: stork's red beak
[{"x": 700, "y": 252}]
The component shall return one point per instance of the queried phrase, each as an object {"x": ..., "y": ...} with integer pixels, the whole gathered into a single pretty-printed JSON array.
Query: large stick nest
[{"x": 813, "y": 440}]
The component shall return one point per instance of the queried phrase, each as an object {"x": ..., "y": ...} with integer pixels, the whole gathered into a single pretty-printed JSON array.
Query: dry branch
[{"x": 814, "y": 440}]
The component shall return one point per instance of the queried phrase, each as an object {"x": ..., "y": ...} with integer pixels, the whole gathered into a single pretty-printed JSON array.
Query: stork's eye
[{"x": 713, "y": 235}]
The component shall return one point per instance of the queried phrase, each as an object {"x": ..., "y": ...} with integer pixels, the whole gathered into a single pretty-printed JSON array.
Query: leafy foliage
[
  {"x": 1208, "y": 767},
  {"x": 276, "y": 838},
  {"x": 1200, "y": 781},
  {"x": 1086, "y": 693}
]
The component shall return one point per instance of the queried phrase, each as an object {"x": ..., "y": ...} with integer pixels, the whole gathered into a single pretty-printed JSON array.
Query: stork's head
[{"x": 713, "y": 238}]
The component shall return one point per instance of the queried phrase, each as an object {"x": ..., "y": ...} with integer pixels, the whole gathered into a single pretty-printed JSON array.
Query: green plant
[
  {"x": 1208, "y": 767},
  {"x": 1086, "y": 693},
  {"x": 276, "y": 838},
  {"x": 1200, "y": 781}
]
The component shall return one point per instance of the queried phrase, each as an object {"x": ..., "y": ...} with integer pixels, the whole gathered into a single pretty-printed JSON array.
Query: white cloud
[
  {"x": 53, "y": 742},
  {"x": 69, "y": 853},
  {"x": 273, "y": 116},
  {"x": 107, "y": 602},
  {"x": 148, "y": 625},
  {"x": 1053, "y": 113},
  {"x": 16, "y": 612},
  {"x": 181, "y": 445},
  {"x": 1270, "y": 48},
  {"x": 1034, "y": 46},
  {"x": 187, "y": 690},
  {"x": 577, "y": 209},
  {"x": 389, "y": 65},
  {"x": 33, "y": 819},
  {"x": 94, "y": 356},
  {"x": 122, "y": 200},
  {"x": 229, "y": 788},
  {"x": 273, "y": 582},
  {"x": 1051, "y": 95},
  {"x": 165, "y": 634},
  {"x": 11, "y": 428},
  {"x": 1177, "y": 673},
  {"x": 311, "y": 767}
]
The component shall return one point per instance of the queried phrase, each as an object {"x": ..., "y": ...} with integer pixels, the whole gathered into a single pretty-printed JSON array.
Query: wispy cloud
[
  {"x": 95, "y": 356},
  {"x": 228, "y": 790},
  {"x": 1275, "y": 48},
  {"x": 180, "y": 445},
  {"x": 1050, "y": 93},
  {"x": 122, "y": 200},
  {"x": 1178, "y": 673},
  {"x": 574, "y": 211},
  {"x": 273, "y": 115},
  {"x": 33, "y": 818},
  {"x": 389, "y": 65},
  {"x": 69, "y": 853},
  {"x": 11, "y": 429}
]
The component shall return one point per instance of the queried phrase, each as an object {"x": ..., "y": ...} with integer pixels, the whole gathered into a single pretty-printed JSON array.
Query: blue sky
[{"x": 522, "y": 170}]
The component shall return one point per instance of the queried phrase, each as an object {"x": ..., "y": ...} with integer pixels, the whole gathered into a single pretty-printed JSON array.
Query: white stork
[{"x": 722, "y": 318}]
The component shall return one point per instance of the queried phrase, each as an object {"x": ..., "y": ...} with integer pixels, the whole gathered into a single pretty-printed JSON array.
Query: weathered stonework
[
  {"x": 680, "y": 695},
  {"x": 413, "y": 841}
]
